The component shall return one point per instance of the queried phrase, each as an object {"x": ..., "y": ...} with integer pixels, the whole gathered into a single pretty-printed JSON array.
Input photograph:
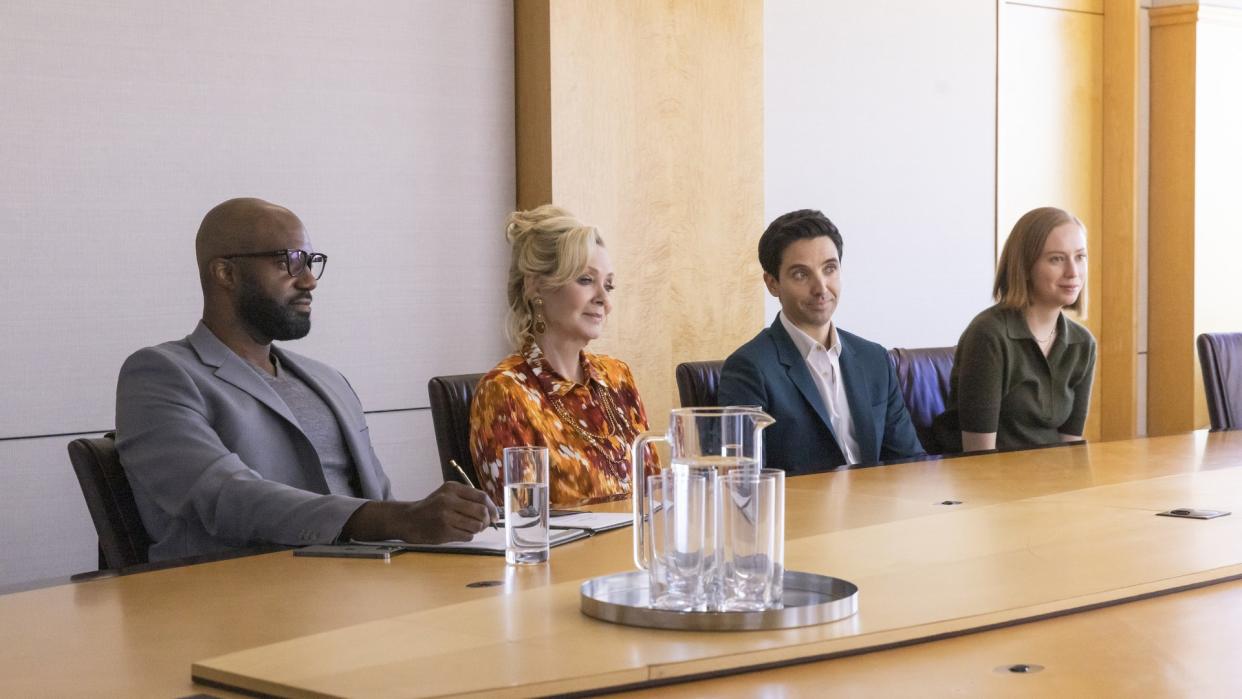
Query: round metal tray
[{"x": 808, "y": 599}]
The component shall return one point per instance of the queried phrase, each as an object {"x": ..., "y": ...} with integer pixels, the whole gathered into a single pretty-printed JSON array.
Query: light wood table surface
[
  {"x": 1037, "y": 533},
  {"x": 1179, "y": 645}
]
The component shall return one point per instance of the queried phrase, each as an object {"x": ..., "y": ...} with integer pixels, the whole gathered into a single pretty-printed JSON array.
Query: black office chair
[
  {"x": 1220, "y": 359},
  {"x": 697, "y": 383},
  {"x": 923, "y": 375},
  {"x": 123, "y": 540},
  {"x": 450, "y": 412}
]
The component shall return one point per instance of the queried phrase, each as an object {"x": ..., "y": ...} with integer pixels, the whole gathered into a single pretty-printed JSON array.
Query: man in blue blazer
[
  {"x": 229, "y": 441},
  {"x": 834, "y": 395}
]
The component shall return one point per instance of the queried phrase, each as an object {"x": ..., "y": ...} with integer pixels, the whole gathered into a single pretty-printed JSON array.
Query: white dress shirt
[{"x": 825, "y": 366}]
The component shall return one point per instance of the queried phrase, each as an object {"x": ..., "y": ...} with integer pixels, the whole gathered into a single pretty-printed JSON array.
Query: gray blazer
[{"x": 217, "y": 460}]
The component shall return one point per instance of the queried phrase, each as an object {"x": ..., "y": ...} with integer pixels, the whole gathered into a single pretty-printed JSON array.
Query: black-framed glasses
[{"x": 296, "y": 261}]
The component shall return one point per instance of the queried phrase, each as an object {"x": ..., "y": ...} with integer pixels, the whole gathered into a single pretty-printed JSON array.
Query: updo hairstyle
[{"x": 551, "y": 246}]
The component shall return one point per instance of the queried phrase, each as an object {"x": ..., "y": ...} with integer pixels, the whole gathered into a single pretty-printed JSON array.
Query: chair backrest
[
  {"x": 923, "y": 375},
  {"x": 123, "y": 540},
  {"x": 450, "y": 412},
  {"x": 1220, "y": 358},
  {"x": 697, "y": 383}
]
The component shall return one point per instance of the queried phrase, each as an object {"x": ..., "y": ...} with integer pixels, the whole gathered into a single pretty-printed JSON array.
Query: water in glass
[{"x": 526, "y": 522}]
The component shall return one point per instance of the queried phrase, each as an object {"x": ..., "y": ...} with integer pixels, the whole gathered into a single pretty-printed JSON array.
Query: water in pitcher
[
  {"x": 720, "y": 465},
  {"x": 526, "y": 522}
]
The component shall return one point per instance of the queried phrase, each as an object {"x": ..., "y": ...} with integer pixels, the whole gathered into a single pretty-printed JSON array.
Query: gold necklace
[{"x": 609, "y": 408}]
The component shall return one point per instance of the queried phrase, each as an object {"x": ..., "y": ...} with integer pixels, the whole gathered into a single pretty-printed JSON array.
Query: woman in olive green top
[{"x": 1022, "y": 371}]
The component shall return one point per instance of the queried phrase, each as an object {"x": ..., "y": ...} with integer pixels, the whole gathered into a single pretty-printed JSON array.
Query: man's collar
[
  {"x": 807, "y": 344},
  {"x": 213, "y": 352}
]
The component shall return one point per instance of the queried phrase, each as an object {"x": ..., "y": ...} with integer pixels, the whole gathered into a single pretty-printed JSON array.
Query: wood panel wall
[
  {"x": 1174, "y": 388},
  {"x": 1196, "y": 144},
  {"x": 645, "y": 118},
  {"x": 1068, "y": 122},
  {"x": 1049, "y": 132},
  {"x": 1118, "y": 288}
]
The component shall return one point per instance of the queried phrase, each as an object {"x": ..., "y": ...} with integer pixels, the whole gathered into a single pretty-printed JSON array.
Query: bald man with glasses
[{"x": 231, "y": 442}]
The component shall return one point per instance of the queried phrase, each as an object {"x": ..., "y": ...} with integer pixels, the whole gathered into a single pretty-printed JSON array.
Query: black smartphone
[
  {"x": 348, "y": 551},
  {"x": 1192, "y": 513}
]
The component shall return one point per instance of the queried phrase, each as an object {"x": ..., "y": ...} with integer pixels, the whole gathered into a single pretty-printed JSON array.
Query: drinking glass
[
  {"x": 752, "y": 542},
  {"x": 680, "y": 546},
  {"x": 526, "y": 505}
]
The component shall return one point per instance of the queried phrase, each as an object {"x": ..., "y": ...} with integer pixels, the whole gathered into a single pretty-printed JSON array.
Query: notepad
[
  {"x": 562, "y": 529},
  {"x": 593, "y": 522}
]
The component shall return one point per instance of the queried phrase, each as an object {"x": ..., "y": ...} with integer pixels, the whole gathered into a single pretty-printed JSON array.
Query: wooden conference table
[{"x": 944, "y": 591}]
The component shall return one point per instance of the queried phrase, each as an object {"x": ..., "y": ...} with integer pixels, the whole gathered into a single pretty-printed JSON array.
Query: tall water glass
[
  {"x": 526, "y": 505},
  {"x": 752, "y": 542},
  {"x": 680, "y": 543}
]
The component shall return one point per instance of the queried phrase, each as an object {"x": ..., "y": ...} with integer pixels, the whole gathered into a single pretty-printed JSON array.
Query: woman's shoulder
[
  {"x": 991, "y": 321},
  {"x": 613, "y": 370},
  {"x": 995, "y": 315},
  {"x": 1077, "y": 332},
  {"x": 511, "y": 370},
  {"x": 509, "y": 386}
]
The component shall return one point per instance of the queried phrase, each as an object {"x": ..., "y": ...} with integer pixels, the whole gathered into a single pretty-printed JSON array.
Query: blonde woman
[
  {"x": 1022, "y": 371},
  {"x": 551, "y": 392}
]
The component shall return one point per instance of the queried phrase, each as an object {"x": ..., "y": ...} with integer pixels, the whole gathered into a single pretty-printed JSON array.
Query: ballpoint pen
[
  {"x": 497, "y": 519},
  {"x": 462, "y": 471}
]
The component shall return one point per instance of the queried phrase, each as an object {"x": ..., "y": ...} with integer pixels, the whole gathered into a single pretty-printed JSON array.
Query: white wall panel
[
  {"x": 45, "y": 529},
  {"x": 387, "y": 126},
  {"x": 882, "y": 115},
  {"x": 405, "y": 443}
]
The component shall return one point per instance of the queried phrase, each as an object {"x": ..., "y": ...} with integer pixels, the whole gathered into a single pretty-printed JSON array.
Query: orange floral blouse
[{"x": 513, "y": 406}]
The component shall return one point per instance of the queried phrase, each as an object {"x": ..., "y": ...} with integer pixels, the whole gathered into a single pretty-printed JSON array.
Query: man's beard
[{"x": 269, "y": 317}]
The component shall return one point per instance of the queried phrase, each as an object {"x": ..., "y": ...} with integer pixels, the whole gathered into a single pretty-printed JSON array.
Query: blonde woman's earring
[{"x": 538, "y": 325}]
